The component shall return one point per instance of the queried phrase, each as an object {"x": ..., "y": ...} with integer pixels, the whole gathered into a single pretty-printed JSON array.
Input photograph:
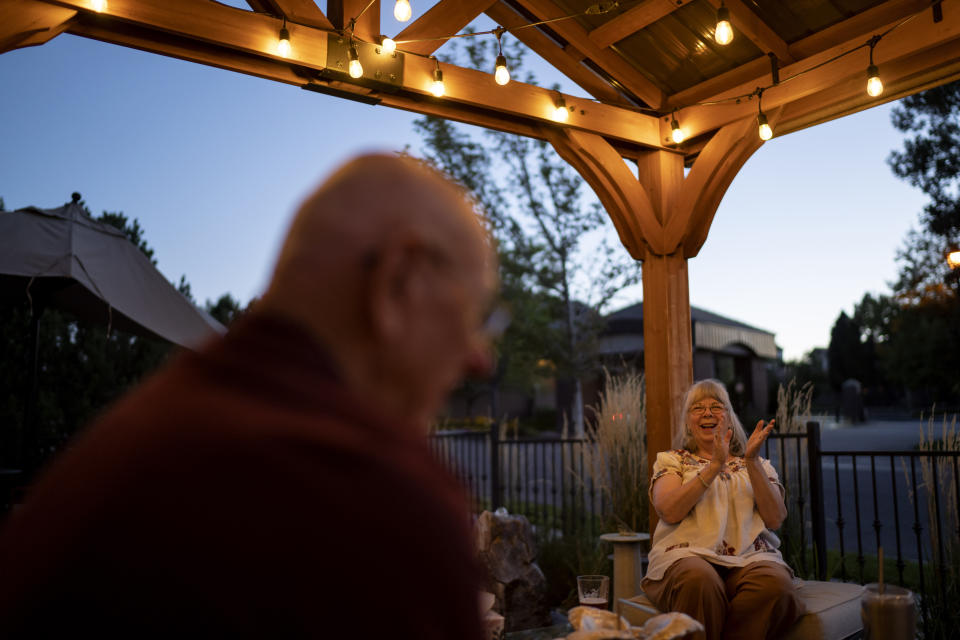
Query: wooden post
[{"x": 662, "y": 218}]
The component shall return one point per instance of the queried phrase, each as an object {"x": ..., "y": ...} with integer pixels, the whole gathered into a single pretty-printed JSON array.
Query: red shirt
[{"x": 243, "y": 491}]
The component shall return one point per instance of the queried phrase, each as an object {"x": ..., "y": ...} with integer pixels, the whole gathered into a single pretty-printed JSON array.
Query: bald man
[{"x": 278, "y": 483}]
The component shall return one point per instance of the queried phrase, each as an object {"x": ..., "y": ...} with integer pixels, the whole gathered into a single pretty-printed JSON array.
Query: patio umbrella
[{"x": 61, "y": 258}]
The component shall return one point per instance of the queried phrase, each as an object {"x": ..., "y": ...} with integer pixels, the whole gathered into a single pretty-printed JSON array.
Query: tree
[
  {"x": 541, "y": 217},
  {"x": 923, "y": 337}
]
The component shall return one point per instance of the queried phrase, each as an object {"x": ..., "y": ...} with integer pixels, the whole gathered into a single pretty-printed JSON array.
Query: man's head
[{"x": 387, "y": 265}]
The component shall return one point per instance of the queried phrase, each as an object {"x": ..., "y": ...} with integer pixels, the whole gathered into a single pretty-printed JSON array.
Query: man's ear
[{"x": 394, "y": 288}]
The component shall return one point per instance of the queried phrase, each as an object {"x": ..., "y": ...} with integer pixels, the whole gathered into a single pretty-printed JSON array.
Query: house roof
[{"x": 630, "y": 320}]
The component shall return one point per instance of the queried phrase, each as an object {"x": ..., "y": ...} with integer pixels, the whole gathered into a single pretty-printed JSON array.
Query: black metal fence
[{"x": 843, "y": 505}]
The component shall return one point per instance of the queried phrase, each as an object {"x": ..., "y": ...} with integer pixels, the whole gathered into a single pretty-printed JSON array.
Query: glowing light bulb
[
  {"x": 436, "y": 87},
  {"x": 99, "y": 5},
  {"x": 355, "y": 69},
  {"x": 764, "y": 128},
  {"x": 402, "y": 10},
  {"x": 953, "y": 259},
  {"x": 724, "y": 32},
  {"x": 874, "y": 84},
  {"x": 560, "y": 113},
  {"x": 387, "y": 45},
  {"x": 283, "y": 44},
  {"x": 677, "y": 132},
  {"x": 501, "y": 74}
]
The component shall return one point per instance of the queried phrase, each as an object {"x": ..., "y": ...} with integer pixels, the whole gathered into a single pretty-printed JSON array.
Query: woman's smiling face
[{"x": 705, "y": 417}]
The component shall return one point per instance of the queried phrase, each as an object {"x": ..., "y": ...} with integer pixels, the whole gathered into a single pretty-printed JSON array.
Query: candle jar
[{"x": 891, "y": 615}]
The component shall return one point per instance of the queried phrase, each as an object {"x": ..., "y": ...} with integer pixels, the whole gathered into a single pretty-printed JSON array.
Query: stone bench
[{"x": 833, "y": 611}]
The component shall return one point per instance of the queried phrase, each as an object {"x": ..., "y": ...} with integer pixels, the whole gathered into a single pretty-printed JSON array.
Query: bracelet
[{"x": 702, "y": 481}]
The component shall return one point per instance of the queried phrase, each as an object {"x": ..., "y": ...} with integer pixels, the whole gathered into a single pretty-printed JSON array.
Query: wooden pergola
[{"x": 645, "y": 63}]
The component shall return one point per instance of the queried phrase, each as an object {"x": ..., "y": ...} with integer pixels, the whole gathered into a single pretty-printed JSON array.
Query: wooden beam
[
  {"x": 367, "y": 27},
  {"x": 622, "y": 196},
  {"x": 912, "y": 38},
  {"x": 221, "y": 30},
  {"x": 305, "y": 12},
  {"x": 712, "y": 87},
  {"x": 631, "y": 21},
  {"x": 25, "y": 23},
  {"x": 442, "y": 19},
  {"x": 547, "y": 49},
  {"x": 902, "y": 78},
  {"x": 750, "y": 24},
  {"x": 871, "y": 20},
  {"x": 868, "y": 21},
  {"x": 709, "y": 178},
  {"x": 618, "y": 68}
]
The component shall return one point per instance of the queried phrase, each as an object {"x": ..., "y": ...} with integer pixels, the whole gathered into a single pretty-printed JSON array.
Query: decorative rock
[{"x": 507, "y": 549}]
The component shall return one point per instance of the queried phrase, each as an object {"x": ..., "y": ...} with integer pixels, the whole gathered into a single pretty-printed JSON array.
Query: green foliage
[{"x": 539, "y": 213}]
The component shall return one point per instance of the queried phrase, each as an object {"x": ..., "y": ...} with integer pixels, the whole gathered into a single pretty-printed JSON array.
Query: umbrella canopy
[{"x": 61, "y": 258}]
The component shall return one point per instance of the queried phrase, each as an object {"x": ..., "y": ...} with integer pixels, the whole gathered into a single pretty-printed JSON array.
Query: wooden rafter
[
  {"x": 749, "y": 24},
  {"x": 556, "y": 55},
  {"x": 24, "y": 23},
  {"x": 631, "y": 21},
  {"x": 869, "y": 21},
  {"x": 618, "y": 68},
  {"x": 442, "y": 19},
  {"x": 245, "y": 41},
  {"x": 913, "y": 38},
  {"x": 903, "y": 77},
  {"x": 305, "y": 12},
  {"x": 366, "y": 26}
]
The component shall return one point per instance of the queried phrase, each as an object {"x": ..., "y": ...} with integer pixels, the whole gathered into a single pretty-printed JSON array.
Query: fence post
[
  {"x": 817, "y": 519},
  {"x": 495, "y": 490}
]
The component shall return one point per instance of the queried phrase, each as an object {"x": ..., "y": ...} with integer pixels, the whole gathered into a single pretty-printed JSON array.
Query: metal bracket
[{"x": 380, "y": 70}]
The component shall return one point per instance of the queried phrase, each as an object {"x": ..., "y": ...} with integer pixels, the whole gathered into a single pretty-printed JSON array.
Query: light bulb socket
[
  {"x": 762, "y": 119},
  {"x": 873, "y": 72},
  {"x": 284, "y": 34},
  {"x": 501, "y": 62},
  {"x": 353, "y": 54},
  {"x": 723, "y": 14},
  {"x": 674, "y": 125},
  {"x": 437, "y": 75}
]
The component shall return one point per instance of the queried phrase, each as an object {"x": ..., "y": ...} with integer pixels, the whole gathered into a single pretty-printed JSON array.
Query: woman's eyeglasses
[{"x": 699, "y": 409}]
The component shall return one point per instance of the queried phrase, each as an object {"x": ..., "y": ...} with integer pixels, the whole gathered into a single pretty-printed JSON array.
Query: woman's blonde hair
[{"x": 715, "y": 390}]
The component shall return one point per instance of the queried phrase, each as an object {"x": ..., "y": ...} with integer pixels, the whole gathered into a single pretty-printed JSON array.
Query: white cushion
[{"x": 833, "y": 611}]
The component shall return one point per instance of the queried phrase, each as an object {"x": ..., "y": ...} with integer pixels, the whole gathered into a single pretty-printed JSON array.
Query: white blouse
[{"x": 724, "y": 527}]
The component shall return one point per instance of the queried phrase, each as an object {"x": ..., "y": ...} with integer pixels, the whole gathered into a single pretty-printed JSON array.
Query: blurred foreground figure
[{"x": 278, "y": 483}]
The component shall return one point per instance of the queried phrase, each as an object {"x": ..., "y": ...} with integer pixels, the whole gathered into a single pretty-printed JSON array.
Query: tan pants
[{"x": 752, "y": 602}]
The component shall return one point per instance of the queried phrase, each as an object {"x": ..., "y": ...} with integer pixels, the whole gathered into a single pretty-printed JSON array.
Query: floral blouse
[{"x": 724, "y": 527}]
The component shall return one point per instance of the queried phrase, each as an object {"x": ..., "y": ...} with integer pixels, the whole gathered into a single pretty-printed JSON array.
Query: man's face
[{"x": 445, "y": 339}]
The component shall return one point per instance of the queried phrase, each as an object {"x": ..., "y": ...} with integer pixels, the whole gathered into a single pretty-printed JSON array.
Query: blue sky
[{"x": 213, "y": 163}]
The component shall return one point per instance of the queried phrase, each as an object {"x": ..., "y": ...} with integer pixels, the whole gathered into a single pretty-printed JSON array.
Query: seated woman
[{"x": 714, "y": 556}]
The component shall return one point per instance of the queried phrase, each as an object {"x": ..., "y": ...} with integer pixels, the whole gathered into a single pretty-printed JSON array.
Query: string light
[
  {"x": 99, "y": 5},
  {"x": 874, "y": 84},
  {"x": 723, "y": 34},
  {"x": 354, "y": 68},
  {"x": 763, "y": 127},
  {"x": 501, "y": 74},
  {"x": 953, "y": 259},
  {"x": 283, "y": 41},
  {"x": 387, "y": 45},
  {"x": 436, "y": 87},
  {"x": 676, "y": 132},
  {"x": 402, "y": 10},
  {"x": 560, "y": 112}
]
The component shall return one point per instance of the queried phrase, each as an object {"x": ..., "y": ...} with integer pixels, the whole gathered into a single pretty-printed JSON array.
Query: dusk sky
[{"x": 213, "y": 163}]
